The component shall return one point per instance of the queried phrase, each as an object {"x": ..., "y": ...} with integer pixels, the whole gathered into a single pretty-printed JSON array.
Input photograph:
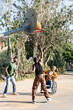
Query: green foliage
[
  {"x": 68, "y": 53},
  {"x": 29, "y": 48},
  {"x": 4, "y": 60},
  {"x": 58, "y": 61},
  {"x": 52, "y": 42}
]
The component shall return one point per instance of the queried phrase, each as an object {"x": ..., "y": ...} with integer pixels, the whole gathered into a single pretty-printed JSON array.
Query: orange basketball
[{"x": 38, "y": 26}]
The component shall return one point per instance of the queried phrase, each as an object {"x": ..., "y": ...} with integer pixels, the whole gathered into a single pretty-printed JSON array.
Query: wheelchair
[{"x": 53, "y": 88}]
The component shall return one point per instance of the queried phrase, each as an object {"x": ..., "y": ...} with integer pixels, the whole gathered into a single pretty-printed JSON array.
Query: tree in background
[
  {"x": 53, "y": 42},
  {"x": 12, "y": 18},
  {"x": 57, "y": 31}
]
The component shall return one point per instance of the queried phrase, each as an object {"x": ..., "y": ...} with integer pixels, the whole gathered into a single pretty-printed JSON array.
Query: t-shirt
[
  {"x": 11, "y": 68},
  {"x": 39, "y": 69},
  {"x": 51, "y": 72}
]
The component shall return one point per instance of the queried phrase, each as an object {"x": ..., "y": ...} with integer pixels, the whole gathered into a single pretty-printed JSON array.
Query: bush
[{"x": 58, "y": 61}]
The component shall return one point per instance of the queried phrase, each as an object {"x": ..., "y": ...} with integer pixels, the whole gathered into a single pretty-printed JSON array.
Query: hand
[
  {"x": 50, "y": 75},
  {"x": 8, "y": 75}
]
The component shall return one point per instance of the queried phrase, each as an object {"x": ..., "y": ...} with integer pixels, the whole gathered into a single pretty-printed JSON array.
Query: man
[
  {"x": 37, "y": 68},
  {"x": 51, "y": 75},
  {"x": 10, "y": 71}
]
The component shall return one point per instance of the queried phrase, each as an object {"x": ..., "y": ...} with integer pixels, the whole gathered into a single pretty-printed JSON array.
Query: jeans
[
  {"x": 8, "y": 79},
  {"x": 49, "y": 83}
]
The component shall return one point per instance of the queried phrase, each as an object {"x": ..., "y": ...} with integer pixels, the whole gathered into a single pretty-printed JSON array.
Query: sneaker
[
  {"x": 50, "y": 90},
  {"x": 42, "y": 92},
  {"x": 4, "y": 96},
  {"x": 33, "y": 101},
  {"x": 15, "y": 93},
  {"x": 49, "y": 99}
]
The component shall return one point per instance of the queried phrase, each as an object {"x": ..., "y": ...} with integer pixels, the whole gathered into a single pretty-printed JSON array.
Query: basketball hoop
[
  {"x": 28, "y": 26},
  {"x": 39, "y": 30}
]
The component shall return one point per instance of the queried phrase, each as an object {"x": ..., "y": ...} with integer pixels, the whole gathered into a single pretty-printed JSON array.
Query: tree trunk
[
  {"x": 47, "y": 60},
  {"x": 10, "y": 57},
  {"x": 19, "y": 53},
  {"x": 35, "y": 47}
]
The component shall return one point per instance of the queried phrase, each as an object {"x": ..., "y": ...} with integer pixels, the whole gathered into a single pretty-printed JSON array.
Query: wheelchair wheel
[{"x": 54, "y": 88}]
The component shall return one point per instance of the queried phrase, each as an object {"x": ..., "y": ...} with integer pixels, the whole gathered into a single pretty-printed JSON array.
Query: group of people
[{"x": 37, "y": 68}]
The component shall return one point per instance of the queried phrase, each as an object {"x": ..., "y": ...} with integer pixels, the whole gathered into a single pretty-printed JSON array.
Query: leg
[
  {"x": 49, "y": 83},
  {"x": 13, "y": 83},
  {"x": 41, "y": 88},
  {"x": 44, "y": 87},
  {"x": 52, "y": 83},
  {"x": 7, "y": 83},
  {"x": 34, "y": 88}
]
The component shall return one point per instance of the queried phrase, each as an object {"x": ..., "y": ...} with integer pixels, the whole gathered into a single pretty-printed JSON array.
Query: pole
[{"x": 14, "y": 31}]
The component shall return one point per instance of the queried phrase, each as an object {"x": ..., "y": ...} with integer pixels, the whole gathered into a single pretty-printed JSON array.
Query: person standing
[
  {"x": 10, "y": 71},
  {"x": 37, "y": 68}
]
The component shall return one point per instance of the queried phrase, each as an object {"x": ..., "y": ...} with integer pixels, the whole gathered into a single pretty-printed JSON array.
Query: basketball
[{"x": 38, "y": 26}]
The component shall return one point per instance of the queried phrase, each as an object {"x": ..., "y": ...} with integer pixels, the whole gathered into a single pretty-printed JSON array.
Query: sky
[{"x": 67, "y": 3}]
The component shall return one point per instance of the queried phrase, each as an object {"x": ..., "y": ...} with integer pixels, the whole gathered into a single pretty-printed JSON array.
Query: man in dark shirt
[
  {"x": 37, "y": 68},
  {"x": 10, "y": 71}
]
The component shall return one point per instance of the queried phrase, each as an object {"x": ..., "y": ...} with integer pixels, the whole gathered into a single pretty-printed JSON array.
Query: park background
[{"x": 56, "y": 16}]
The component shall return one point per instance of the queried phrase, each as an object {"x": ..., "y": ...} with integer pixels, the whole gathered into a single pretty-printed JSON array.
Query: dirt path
[{"x": 62, "y": 100}]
